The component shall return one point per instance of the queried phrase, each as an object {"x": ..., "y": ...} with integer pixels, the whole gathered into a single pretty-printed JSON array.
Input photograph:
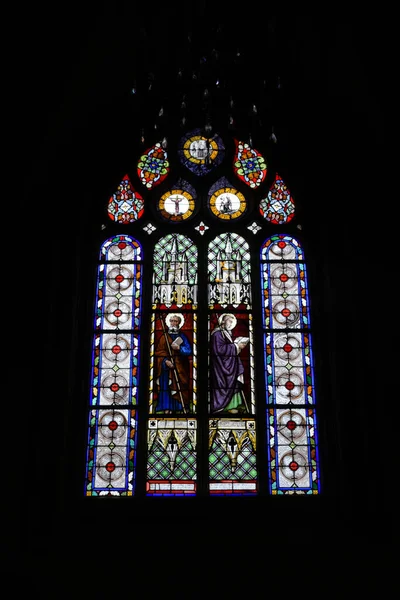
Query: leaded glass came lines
[
  {"x": 111, "y": 450},
  {"x": 292, "y": 436},
  {"x": 213, "y": 340}
]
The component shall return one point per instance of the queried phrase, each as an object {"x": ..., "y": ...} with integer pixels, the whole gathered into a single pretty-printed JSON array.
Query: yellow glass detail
[
  {"x": 198, "y": 149},
  {"x": 227, "y": 203},
  {"x": 176, "y": 205}
]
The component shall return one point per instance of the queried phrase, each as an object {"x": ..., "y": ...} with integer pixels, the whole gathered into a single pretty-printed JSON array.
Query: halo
[
  {"x": 169, "y": 315},
  {"x": 227, "y": 315}
]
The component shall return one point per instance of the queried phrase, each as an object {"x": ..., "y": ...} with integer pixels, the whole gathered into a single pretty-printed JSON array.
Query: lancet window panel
[
  {"x": 231, "y": 373},
  {"x": 289, "y": 377},
  {"x": 172, "y": 426},
  {"x": 173, "y": 337},
  {"x": 111, "y": 453}
]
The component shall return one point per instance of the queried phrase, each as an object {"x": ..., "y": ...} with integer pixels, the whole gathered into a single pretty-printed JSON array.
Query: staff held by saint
[{"x": 173, "y": 366}]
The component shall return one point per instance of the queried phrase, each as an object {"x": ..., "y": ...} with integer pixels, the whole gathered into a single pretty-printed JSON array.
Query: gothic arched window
[
  {"x": 203, "y": 328},
  {"x": 115, "y": 365},
  {"x": 289, "y": 377},
  {"x": 172, "y": 425}
]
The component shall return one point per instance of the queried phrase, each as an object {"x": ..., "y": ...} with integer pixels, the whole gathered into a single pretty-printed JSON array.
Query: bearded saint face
[{"x": 174, "y": 323}]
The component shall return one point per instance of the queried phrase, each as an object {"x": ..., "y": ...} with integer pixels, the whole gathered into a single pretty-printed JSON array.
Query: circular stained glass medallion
[
  {"x": 176, "y": 205},
  {"x": 227, "y": 203},
  {"x": 201, "y": 154}
]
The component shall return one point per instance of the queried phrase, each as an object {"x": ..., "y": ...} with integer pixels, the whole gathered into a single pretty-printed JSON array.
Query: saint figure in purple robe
[{"x": 226, "y": 368}]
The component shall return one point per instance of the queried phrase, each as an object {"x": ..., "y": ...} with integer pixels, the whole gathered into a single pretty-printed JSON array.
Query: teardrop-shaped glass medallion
[
  {"x": 201, "y": 154},
  {"x": 225, "y": 201},
  {"x": 126, "y": 205},
  {"x": 278, "y": 206},
  {"x": 153, "y": 166},
  {"x": 178, "y": 203},
  {"x": 249, "y": 165}
]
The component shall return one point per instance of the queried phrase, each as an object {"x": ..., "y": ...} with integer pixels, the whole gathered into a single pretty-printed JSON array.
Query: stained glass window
[
  {"x": 115, "y": 370},
  {"x": 201, "y": 228},
  {"x": 178, "y": 203},
  {"x": 226, "y": 360},
  {"x": 153, "y": 166},
  {"x": 249, "y": 164},
  {"x": 232, "y": 451},
  {"x": 199, "y": 153},
  {"x": 172, "y": 425},
  {"x": 126, "y": 205},
  {"x": 225, "y": 201},
  {"x": 278, "y": 206},
  {"x": 289, "y": 376}
]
